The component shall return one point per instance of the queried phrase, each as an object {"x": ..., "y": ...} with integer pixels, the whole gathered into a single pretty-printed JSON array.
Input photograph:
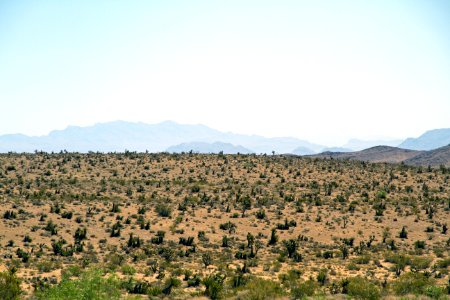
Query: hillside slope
[
  {"x": 374, "y": 154},
  {"x": 437, "y": 157}
]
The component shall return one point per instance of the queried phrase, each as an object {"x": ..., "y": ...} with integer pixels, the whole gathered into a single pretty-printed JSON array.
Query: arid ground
[{"x": 225, "y": 226}]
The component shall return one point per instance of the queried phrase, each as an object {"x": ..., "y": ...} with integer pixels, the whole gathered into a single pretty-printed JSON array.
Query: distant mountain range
[
  {"x": 431, "y": 139},
  {"x": 169, "y": 136},
  {"x": 216, "y": 147},
  {"x": 302, "y": 151},
  {"x": 166, "y": 136}
]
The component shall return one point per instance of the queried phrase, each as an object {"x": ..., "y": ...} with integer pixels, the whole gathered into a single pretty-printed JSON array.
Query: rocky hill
[
  {"x": 374, "y": 154},
  {"x": 437, "y": 157}
]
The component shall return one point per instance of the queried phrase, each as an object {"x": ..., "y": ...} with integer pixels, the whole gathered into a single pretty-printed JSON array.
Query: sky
[{"x": 321, "y": 70}]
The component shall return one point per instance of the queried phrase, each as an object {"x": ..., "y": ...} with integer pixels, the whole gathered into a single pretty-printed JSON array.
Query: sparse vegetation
[{"x": 109, "y": 226}]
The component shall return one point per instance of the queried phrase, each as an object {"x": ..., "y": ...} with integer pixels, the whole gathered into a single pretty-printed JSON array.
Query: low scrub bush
[
  {"x": 90, "y": 285},
  {"x": 304, "y": 289},
  {"x": 259, "y": 288},
  {"x": 411, "y": 283},
  {"x": 361, "y": 288}
]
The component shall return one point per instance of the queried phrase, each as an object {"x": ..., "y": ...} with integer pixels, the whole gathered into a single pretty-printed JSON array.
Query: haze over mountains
[
  {"x": 170, "y": 136},
  {"x": 121, "y": 135},
  {"x": 431, "y": 139},
  {"x": 202, "y": 147},
  {"x": 356, "y": 144}
]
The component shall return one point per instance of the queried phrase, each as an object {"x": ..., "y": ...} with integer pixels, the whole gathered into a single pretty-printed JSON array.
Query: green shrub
[
  {"x": 419, "y": 263},
  {"x": 259, "y": 289},
  {"x": 91, "y": 285},
  {"x": 170, "y": 284},
  {"x": 163, "y": 210},
  {"x": 128, "y": 270},
  {"x": 444, "y": 263},
  {"x": 362, "y": 260},
  {"x": 400, "y": 261},
  {"x": 361, "y": 288},
  {"x": 290, "y": 278},
  {"x": 411, "y": 283},
  {"x": 353, "y": 267},
  {"x": 133, "y": 286},
  {"x": 9, "y": 285},
  {"x": 214, "y": 285},
  {"x": 261, "y": 214},
  {"x": 435, "y": 292},
  {"x": 322, "y": 277},
  {"x": 80, "y": 234},
  {"x": 304, "y": 289},
  {"x": 9, "y": 215},
  {"x": 154, "y": 290},
  {"x": 72, "y": 271},
  {"x": 419, "y": 244},
  {"x": 47, "y": 265}
]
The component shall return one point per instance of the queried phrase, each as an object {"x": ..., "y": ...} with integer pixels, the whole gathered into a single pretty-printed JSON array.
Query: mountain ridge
[
  {"x": 431, "y": 139},
  {"x": 118, "y": 136},
  {"x": 202, "y": 147}
]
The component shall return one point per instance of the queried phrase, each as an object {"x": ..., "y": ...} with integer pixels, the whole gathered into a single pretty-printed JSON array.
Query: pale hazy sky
[{"x": 321, "y": 70}]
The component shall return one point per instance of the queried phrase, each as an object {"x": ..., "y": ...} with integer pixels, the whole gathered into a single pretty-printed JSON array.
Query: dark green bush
[
  {"x": 80, "y": 234},
  {"x": 322, "y": 277},
  {"x": 9, "y": 214},
  {"x": 214, "y": 285},
  {"x": 170, "y": 284},
  {"x": 163, "y": 210}
]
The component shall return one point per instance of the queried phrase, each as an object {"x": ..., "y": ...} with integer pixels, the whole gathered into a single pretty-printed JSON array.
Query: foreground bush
[
  {"x": 259, "y": 289},
  {"x": 214, "y": 285},
  {"x": 361, "y": 288},
  {"x": 304, "y": 289},
  {"x": 411, "y": 283},
  {"x": 435, "y": 292},
  {"x": 9, "y": 285},
  {"x": 90, "y": 285}
]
